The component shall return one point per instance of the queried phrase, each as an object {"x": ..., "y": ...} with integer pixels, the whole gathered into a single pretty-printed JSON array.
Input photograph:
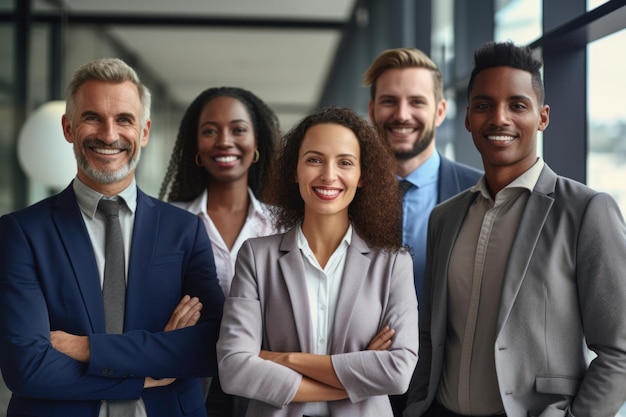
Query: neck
[
  {"x": 405, "y": 167},
  {"x": 231, "y": 195},
  {"x": 324, "y": 234}
]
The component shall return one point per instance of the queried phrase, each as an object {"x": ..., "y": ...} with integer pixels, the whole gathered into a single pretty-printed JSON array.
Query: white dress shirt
[
  {"x": 323, "y": 290},
  {"x": 257, "y": 224}
]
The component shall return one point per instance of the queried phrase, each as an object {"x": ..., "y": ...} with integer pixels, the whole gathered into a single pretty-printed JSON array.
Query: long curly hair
[
  {"x": 185, "y": 179},
  {"x": 376, "y": 209}
]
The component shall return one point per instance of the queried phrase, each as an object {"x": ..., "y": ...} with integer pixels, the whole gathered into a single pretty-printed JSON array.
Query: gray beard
[{"x": 103, "y": 177}]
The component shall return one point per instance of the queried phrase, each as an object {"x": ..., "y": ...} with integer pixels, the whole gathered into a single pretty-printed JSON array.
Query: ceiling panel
[
  {"x": 316, "y": 9},
  {"x": 286, "y": 67}
]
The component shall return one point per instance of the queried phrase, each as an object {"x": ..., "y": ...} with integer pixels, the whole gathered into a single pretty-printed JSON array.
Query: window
[{"x": 606, "y": 160}]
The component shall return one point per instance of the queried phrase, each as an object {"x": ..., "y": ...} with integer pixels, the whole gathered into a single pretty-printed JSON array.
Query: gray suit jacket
[
  {"x": 268, "y": 308},
  {"x": 564, "y": 289}
]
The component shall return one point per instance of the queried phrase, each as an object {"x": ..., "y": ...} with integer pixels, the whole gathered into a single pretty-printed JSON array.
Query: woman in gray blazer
[{"x": 322, "y": 320}]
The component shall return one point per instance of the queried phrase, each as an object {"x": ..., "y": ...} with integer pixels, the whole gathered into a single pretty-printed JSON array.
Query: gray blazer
[
  {"x": 268, "y": 308},
  {"x": 564, "y": 289}
]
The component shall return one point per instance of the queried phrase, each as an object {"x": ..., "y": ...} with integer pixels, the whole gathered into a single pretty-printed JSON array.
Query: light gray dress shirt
[
  {"x": 95, "y": 221},
  {"x": 469, "y": 384}
]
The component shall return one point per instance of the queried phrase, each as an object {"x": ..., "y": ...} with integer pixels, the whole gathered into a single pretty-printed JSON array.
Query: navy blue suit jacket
[
  {"x": 49, "y": 281},
  {"x": 454, "y": 178}
]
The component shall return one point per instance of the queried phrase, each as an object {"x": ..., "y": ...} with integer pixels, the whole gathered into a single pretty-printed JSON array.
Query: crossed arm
[
  {"x": 319, "y": 379},
  {"x": 185, "y": 314}
]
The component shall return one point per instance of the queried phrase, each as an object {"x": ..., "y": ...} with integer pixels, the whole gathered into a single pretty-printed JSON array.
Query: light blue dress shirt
[{"x": 418, "y": 202}]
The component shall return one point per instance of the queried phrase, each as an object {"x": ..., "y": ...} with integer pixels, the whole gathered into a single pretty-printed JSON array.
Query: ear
[
  {"x": 440, "y": 115},
  {"x": 145, "y": 133},
  {"x": 370, "y": 111},
  {"x": 544, "y": 118},
  {"x": 467, "y": 123},
  {"x": 66, "y": 124}
]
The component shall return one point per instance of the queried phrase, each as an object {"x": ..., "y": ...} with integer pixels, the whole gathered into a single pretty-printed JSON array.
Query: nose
[
  {"x": 402, "y": 112},
  {"x": 224, "y": 139},
  {"x": 108, "y": 131},
  {"x": 328, "y": 174},
  {"x": 500, "y": 116}
]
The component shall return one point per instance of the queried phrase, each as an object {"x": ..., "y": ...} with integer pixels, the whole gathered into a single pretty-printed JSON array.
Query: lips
[
  {"x": 500, "y": 138},
  {"x": 402, "y": 130},
  {"x": 100, "y": 147},
  {"x": 326, "y": 193},
  {"x": 226, "y": 159},
  {"x": 107, "y": 151}
]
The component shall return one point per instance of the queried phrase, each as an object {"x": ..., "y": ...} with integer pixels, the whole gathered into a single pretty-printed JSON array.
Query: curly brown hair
[
  {"x": 376, "y": 209},
  {"x": 187, "y": 180}
]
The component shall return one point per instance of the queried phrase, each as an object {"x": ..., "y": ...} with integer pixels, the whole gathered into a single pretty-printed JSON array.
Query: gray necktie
[{"x": 114, "y": 286}]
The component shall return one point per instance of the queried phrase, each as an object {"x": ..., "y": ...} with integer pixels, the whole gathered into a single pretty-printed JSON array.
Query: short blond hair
[{"x": 402, "y": 58}]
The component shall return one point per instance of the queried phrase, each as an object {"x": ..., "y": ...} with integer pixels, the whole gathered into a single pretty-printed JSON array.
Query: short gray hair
[{"x": 112, "y": 70}]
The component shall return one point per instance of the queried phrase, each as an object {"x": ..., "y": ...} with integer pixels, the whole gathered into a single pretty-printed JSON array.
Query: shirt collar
[
  {"x": 199, "y": 205},
  {"x": 89, "y": 198},
  {"x": 425, "y": 173},
  {"x": 303, "y": 244},
  {"x": 527, "y": 180}
]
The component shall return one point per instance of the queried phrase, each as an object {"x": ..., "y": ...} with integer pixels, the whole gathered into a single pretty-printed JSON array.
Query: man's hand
[
  {"x": 76, "y": 347},
  {"x": 186, "y": 314},
  {"x": 152, "y": 383},
  {"x": 382, "y": 340}
]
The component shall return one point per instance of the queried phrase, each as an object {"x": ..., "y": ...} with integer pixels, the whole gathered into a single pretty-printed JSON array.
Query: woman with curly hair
[
  {"x": 217, "y": 170},
  {"x": 322, "y": 320}
]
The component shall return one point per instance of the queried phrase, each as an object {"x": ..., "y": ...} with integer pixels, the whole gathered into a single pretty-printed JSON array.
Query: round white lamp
[{"x": 42, "y": 151}]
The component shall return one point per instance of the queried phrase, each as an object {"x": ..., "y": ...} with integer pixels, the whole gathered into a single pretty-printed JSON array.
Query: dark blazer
[
  {"x": 563, "y": 291},
  {"x": 49, "y": 281},
  {"x": 455, "y": 177},
  {"x": 268, "y": 308}
]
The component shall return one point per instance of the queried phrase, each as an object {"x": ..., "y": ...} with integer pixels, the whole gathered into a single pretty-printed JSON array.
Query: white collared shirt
[
  {"x": 323, "y": 291},
  {"x": 257, "y": 224}
]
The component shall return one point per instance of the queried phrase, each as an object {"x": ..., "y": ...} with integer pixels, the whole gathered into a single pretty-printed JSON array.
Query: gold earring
[
  {"x": 256, "y": 156},
  {"x": 198, "y": 160}
]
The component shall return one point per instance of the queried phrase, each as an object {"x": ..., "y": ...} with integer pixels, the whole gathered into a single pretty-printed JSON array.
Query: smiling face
[
  {"x": 328, "y": 170},
  {"x": 406, "y": 111},
  {"x": 226, "y": 139},
  {"x": 106, "y": 132},
  {"x": 504, "y": 116}
]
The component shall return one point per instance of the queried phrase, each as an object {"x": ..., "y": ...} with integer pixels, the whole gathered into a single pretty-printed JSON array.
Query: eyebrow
[
  {"x": 486, "y": 97},
  {"x": 94, "y": 113},
  {"x": 210, "y": 122},
  {"x": 343, "y": 155}
]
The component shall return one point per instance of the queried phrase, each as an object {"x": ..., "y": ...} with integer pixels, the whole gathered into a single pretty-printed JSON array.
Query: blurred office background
[{"x": 299, "y": 55}]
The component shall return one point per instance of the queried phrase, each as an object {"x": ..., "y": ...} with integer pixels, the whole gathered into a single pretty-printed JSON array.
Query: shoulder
[
  {"x": 448, "y": 164},
  {"x": 172, "y": 212},
  {"x": 265, "y": 242},
  {"x": 41, "y": 211}
]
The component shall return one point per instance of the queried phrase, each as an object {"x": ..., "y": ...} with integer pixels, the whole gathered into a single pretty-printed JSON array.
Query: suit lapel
[
  {"x": 448, "y": 181},
  {"x": 141, "y": 254},
  {"x": 450, "y": 227},
  {"x": 530, "y": 227},
  {"x": 353, "y": 277},
  {"x": 69, "y": 223},
  {"x": 292, "y": 268}
]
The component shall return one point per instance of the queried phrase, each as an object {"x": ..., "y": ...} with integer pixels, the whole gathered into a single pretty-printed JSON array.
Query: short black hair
[{"x": 507, "y": 54}]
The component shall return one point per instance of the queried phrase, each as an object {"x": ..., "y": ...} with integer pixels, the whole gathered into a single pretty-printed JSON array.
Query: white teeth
[
  {"x": 326, "y": 192},
  {"x": 226, "y": 159},
  {"x": 500, "y": 138},
  {"x": 107, "y": 151},
  {"x": 403, "y": 130}
]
